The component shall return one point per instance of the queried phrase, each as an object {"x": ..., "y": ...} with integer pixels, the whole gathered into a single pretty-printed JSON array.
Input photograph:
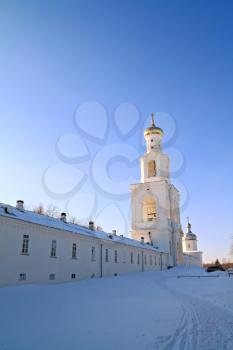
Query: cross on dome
[
  {"x": 188, "y": 225},
  {"x": 152, "y": 119},
  {"x": 153, "y": 129}
]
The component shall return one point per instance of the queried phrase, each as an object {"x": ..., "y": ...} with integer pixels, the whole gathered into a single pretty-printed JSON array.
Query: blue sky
[{"x": 172, "y": 57}]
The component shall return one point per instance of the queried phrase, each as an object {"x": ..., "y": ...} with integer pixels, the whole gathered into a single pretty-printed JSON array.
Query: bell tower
[
  {"x": 155, "y": 201},
  {"x": 154, "y": 164}
]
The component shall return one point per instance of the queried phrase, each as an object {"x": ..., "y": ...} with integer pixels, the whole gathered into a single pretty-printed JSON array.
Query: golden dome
[{"x": 153, "y": 129}]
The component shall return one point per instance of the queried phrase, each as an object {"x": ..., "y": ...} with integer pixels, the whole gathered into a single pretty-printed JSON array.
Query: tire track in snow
[
  {"x": 203, "y": 325},
  {"x": 215, "y": 325},
  {"x": 165, "y": 342}
]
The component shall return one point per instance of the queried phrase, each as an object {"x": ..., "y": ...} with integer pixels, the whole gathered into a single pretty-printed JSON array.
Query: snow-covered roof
[{"x": 51, "y": 222}]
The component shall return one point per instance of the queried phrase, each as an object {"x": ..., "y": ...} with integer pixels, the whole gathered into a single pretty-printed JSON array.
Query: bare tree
[
  {"x": 39, "y": 209},
  {"x": 52, "y": 210},
  {"x": 73, "y": 220}
]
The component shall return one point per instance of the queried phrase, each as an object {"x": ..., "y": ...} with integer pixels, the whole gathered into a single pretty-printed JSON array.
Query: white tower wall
[{"x": 155, "y": 202}]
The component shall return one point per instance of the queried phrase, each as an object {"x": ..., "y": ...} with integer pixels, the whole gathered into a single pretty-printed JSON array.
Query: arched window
[
  {"x": 149, "y": 209},
  {"x": 151, "y": 168}
]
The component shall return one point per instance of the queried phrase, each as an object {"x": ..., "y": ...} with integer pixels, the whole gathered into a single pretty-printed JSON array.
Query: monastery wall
[{"x": 95, "y": 257}]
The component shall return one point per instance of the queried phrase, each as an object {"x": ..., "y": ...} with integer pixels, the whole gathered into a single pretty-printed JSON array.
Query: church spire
[
  {"x": 153, "y": 120},
  {"x": 188, "y": 226}
]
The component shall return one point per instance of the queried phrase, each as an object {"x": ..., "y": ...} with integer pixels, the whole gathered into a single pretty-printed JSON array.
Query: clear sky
[{"x": 113, "y": 62}]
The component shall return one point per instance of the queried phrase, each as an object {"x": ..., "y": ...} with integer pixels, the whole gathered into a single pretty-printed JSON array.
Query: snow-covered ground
[{"x": 152, "y": 310}]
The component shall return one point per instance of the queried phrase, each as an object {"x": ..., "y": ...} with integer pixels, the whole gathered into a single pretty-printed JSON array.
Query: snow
[
  {"x": 150, "y": 310},
  {"x": 48, "y": 221}
]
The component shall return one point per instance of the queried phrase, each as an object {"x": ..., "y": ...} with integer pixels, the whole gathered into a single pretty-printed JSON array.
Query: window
[
  {"x": 22, "y": 277},
  {"x": 131, "y": 258},
  {"x": 149, "y": 209},
  {"x": 73, "y": 276},
  {"x": 138, "y": 258},
  {"x": 151, "y": 168},
  {"x": 155, "y": 261},
  {"x": 150, "y": 260},
  {"x": 74, "y": 251},
  {"x": 115, "y": 256},
  {"x": 189, "y": 246},
  {"x": 145, "y": 259},
  {"x": 53, "y": 249},
  {"x": 170, "y": 248},
  {"x": 25, "y": 245},
  {"x": 93, "y": 253},
  {"x": 106, "y": 255},
  {"x": 52, "y": 276}
]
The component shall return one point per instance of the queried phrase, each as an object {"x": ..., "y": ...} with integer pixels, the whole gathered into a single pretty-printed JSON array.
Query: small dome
[
  {"x": 189, "y": 235},
  {"x": 153, "y": 129}
]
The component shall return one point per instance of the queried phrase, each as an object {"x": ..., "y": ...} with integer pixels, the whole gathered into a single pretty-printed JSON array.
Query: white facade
[
  {"x": 192, "y": 256},
  {"x": 155, "y": 201},
  {"x": 35, "y": 248}
]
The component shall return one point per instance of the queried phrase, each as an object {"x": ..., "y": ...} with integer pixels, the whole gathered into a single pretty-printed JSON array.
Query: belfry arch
[
  {"x": 151, "y": 168},
  {"x": 149, "y": 209}
]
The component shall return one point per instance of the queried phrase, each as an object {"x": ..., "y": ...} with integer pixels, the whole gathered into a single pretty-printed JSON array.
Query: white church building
[
  {"x": 155, "y": 203},
  {"x": 37, "y": 248}
]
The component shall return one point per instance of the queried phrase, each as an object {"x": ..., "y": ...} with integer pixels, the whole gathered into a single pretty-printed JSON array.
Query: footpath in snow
[{"x": 151, "y": 310}]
